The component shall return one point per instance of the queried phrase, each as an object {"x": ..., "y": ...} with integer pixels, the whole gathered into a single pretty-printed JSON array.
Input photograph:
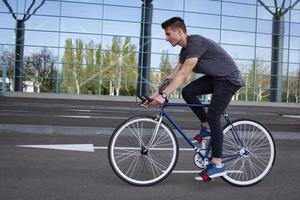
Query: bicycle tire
[
  {"x": 149, "y": 161},
  {"x": 247, "y": 170}
]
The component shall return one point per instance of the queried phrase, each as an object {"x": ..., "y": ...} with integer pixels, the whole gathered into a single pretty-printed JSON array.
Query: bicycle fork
[{"x": 155, "y": 131}]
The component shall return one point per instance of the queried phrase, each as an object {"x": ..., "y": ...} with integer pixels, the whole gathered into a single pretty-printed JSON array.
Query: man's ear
[{"x": 180, "y": 32}]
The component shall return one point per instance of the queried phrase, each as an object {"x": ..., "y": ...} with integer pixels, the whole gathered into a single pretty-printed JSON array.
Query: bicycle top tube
[{"x": 167, "y": 104}]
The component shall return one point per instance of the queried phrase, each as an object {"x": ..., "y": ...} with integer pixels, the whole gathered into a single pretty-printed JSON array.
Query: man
[{"x": 222, "y": 79}]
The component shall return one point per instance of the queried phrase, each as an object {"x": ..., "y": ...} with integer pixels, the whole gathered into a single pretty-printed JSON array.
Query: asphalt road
[
  {"x": 32, "y": 173},
  {"x": 91, "y": 113},
  {"x": 48, "y": 174}
]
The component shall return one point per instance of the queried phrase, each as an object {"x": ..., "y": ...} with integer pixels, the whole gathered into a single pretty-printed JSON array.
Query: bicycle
[{"x": 143, "y": 150}]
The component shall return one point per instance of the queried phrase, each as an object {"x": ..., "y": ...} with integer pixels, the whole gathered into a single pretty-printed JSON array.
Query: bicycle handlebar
[{"x": 145, "y": 98}]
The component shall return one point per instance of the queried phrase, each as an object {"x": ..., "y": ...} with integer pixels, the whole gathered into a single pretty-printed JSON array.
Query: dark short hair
[{"x": 174, "y": 23}]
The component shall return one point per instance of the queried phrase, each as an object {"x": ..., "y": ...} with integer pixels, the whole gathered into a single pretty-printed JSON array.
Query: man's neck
[{"x": 183, "y": 42}]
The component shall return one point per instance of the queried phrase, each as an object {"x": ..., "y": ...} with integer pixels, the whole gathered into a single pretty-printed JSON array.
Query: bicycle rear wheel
[
  {"x": 255, "y": 156},
  {"x": 131, "y": 157}
]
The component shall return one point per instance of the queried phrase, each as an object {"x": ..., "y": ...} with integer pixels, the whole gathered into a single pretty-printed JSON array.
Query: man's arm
[
  {"x": 176, "y": 70},
  {"x": 181, "y": 75},
  {"x": 169, "y": 78}
]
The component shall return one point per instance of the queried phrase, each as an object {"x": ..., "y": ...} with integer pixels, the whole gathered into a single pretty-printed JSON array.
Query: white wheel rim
[
  {"x": 270, "y": 162},
  {"x": 165, "y": 172}
]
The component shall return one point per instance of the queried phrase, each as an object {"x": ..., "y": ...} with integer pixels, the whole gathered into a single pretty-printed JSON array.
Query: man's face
[{"x": 172, "y": 36}]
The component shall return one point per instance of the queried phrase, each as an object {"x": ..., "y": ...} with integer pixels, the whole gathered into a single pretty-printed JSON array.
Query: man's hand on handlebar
[
  {"x": 154, "y": 99},
  {"x": 157, "y": 99}
]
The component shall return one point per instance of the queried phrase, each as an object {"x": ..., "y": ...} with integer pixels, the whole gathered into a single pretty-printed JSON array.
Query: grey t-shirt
[{"x": 212, "y": 59}]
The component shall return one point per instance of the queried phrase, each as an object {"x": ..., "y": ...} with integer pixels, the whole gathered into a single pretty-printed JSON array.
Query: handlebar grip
[{"x": 144, "y": 99}]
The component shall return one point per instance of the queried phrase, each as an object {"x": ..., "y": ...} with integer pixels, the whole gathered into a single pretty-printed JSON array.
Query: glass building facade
[{"x": 92, "y": 46}]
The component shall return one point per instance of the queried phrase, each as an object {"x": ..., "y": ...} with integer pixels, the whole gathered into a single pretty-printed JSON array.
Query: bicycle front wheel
[
  {"x": 255, "y": 152},
  {"x": 138, "y": 157}
]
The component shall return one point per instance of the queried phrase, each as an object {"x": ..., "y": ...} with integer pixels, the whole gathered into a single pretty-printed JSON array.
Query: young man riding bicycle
[{"x": 222, "y": 79}]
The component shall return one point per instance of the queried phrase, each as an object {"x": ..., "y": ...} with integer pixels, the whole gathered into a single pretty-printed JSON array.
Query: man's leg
[
  {"x": 222, "y": 94},
  {"x": 203, "y": 85}
]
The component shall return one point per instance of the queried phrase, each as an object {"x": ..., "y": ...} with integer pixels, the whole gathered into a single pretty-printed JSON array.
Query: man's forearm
[
  {"x": 176, "y": 82},
  {"x": 181, "y": 75}
]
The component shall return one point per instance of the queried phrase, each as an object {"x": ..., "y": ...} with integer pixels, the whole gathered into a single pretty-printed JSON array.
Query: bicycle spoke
[
  {"x": 259, "y": 153},
  {"x": 137, "y": 163}
]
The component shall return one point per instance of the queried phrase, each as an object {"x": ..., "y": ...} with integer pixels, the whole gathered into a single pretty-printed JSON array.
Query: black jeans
[{"x": 222, "y": 92}]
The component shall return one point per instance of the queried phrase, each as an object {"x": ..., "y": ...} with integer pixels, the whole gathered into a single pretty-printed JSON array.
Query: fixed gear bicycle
[{"x": 143, "y": 150}]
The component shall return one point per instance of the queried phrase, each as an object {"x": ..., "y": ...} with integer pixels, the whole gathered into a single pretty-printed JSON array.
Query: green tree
[
  {"x": 165, "y": 65},
  {"x": 8, "y": 57},
  {"x": 72, "y": 66},
  {"x": 129, "y": 65},
  {"x": 291, "y": 87},
  {"x": 91, "y": 75},
  {"x": 258, "y": 81},
  {"x": 112, "y": 70}
]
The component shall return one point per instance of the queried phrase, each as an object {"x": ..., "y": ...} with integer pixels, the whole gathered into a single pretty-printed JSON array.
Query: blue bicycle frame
[{"x": 234, "y": 132}]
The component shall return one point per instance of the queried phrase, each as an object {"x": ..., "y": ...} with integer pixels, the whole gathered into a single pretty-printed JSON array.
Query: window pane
[
  {"x": 244, "y": 65},
  {"x": 295, "y": 29},
  {"x": 163, "y": 4},
  {"x": 121, "y": 28},
  {"x": 156, "y": 58},
  {"x": 85, "y": 38},
  {"x": 7, "y": 36},
  {"x": 238, "y": 24},
  {"x": 264, "y": 26},
  {"x": 208, "y": 33},
  {"x": 241, "y": 10},
  {"x": 43, "y": 23},
  {"x": 203, "y": 6},
  {"x": 123, "y": 2},
  {"x": 41, "y": 38},
  {"x": 231, "y": 37},
  {"x": 295, "y": 17},
  {"x": 7, "y": 21},
  {"x": 159, "y": 45},
  {"x": 48, "y": 8},
  {"x": 202, "y": 20},
  {"x": 81, "y": 25},
  {"x": 239, "y": 52},
  {"x": 132, "y": 14},
  {"x": 264, "y": 40},
  {"x": 294, "y": 70},
  {"x": 262, "y": 13},
  {"x": 295, "y": 56},
  {"x": 263, "y": 53},
  {"x": 81, "y": 10},
  {"x": 159, "y": 16},
  {"x": 295, "y": 43}
]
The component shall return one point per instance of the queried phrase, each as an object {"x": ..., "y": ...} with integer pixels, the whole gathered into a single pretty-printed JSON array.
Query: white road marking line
[
  {"x": 89, "y": 117},
  {"x": 198, "y": 171},
  {"x": 62, "y": 116},
  {"x": 292, "y": 116},
  {"x": 186, "y": 171},
  {"x": 67, "y": 147},
  {"x": 79, "y": 110},
  {"x": 96, "y": 111},
  {"x": 74, "y": 116}
]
